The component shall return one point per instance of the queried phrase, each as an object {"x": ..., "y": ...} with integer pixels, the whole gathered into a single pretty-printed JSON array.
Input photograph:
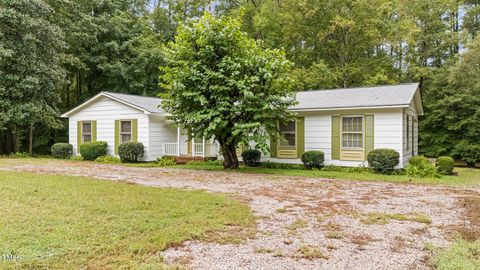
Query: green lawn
[
  {"x": 465, "y": 176},
  {"x": 65, "y": 222}
]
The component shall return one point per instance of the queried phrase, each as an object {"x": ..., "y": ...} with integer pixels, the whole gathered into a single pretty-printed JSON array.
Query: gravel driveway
[{"x": 302, "y": 223}]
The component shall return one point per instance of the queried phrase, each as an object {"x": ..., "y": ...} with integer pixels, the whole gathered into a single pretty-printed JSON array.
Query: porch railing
[
  {"x": 170, "y": 149},
  {"x": 201, "y": 150}
]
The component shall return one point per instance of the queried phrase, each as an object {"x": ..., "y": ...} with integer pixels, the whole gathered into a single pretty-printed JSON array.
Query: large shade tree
[
  {"x": 225, "y": 85},
  {"x": 30, "y": 70}
]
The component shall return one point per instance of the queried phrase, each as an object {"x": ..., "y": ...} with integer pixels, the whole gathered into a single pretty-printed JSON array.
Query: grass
[
  {"x": 335, "y": 235},
  {"x": 297, "y": 224},
  {"x": 310, "y": 253},
  {"x": 460, "y": 255},
  {"x": 66, "y": 222},
  {"x": 465, "y": 177},
  {"x": 384, "y": 218}
]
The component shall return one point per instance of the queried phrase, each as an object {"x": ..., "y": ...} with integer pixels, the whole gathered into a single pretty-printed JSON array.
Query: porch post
[
  {"x": 203, "y": 147},
  {"x": 192, "y": 143},
  {"x": 178, "y": 142}
]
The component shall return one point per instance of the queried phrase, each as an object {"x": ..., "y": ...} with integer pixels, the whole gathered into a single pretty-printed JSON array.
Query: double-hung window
[
  {"x": 86, "y": 131},
  {"x": 352, "y": 132},
  {"x": 288, "y": 135},
  {"x": 125, "y": 131}
]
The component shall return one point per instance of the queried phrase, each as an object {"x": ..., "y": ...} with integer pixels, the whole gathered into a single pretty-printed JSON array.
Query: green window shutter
[
  {"x": 94, "y": 131},
  {"x": 135, "y": 130},
  {"x": 273, "y": 147},
  {"x": 79, "y": 135},
  {"x": 335, "y": 137},
  {"x": 300, "y": 136},
  {"x": 117, "y": 135},
  {"x": 369, "y": 144}
]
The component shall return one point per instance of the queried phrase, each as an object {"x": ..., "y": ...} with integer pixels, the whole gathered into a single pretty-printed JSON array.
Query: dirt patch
[{"x": 306, "y": 223}]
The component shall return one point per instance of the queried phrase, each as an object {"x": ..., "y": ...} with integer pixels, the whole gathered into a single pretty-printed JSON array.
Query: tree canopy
[
  {"x": 223, "y": 84},
  {"x": 115, "y": 45}
]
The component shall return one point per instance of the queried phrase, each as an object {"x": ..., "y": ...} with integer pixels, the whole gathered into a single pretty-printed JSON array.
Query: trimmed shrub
[
  {"x": 418, "y": 160},
  {"x": 251, "y": 157},
  {"x": 470, "y": 153},
  {"x": 130, "y": 151},
  {"x": 166, "y": 161},
  {"x": 313, "y": 159},
  {"x": 93, "y": 150},
  {"x": 445, "y": 165},
  {"x": 62, "y": 150},
  {"x": 422, "y": 170},
  {"x": 383, "y": 160},
  {"x": 108, "y": 159}
]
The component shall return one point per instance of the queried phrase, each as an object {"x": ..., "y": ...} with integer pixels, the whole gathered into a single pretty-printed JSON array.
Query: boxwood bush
[
  {"x": 93, "y": 150},
  {"x": 383, "y": 160},
  {"x": 130, "y": 151},
  {"x": 251, "y": 157},
  {"x": 62, "y": 150},
  {"x": 313, "y": 159},
  {"x": 418, "y": 160},
  {"x": 468, "y": 152},
  {"x": 445, "y": 165}
]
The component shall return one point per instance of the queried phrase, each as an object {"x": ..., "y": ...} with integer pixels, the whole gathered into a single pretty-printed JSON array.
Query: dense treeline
[{"x": 54, "y": 54}]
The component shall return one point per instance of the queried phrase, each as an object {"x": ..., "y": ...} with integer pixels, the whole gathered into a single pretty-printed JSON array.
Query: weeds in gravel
[
  {"x": 384, "y": 218},
  {"x": 297, "y": 224},
  {"x": 310, "y": 253},
  {"x": 281, "y": 210},
  {"x": 263, "y": 250},
  {"x": 335, "y": 235},
  {"x": 278, "y": 254}
]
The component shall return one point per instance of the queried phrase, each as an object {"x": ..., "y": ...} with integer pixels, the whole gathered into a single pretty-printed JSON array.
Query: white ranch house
[{"x": 343, "y": 123}]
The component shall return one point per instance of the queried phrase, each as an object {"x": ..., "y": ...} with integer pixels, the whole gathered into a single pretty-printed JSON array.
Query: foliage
[
  {"x": 422, "y": 170},
  {"x": 30, "y": 70},
  {"x": 468, "y": 152},
  {"x": 313, "y": 159},
  {"x": 251, "y": 157},
  {"x": 77, "y": 158},
  {"x": 108, "y": 159},
  {"x": 445, "y": 165},
  {"x": 459, "y": 255},
  {"x": 131, "y": 151},
  {"x": 93, "y": 150},
  {"x": 62, "y": 150},
  {"x": 166, "y": 161},
  {"x": 223, "y": 84},
  {"x": 383, "y": 160},
  {"x": 106, "y": 224},
  {"x": 19, "y": 155},
  {"x": 418, "y": 160}
]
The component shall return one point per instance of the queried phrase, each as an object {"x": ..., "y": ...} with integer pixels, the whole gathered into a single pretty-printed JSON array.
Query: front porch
[{"x": 187, "y": 146}]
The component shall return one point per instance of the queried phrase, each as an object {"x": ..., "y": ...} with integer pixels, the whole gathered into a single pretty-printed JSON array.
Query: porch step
[{"x": 185, "y": 159}]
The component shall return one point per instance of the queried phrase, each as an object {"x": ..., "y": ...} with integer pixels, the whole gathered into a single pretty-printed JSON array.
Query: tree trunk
[
  {"x": 230, "y": 160},
  {"x": 30, "y": 140},
  {"x": 16, "y": 140}
]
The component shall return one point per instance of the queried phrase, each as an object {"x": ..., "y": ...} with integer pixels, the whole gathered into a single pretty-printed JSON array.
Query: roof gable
[{"x": 148, "y": 105}]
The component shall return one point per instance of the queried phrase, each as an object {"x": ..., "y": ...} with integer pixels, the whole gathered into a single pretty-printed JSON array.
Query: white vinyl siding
[
  {"x": 318, "y": 136},
  {"x": 105, "y": 111},
  {"x": 161, "y": 133},
  {"x": 408, "y": 140}
]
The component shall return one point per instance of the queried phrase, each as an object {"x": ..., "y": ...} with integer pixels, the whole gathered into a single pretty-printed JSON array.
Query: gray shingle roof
[
  {"x": 375, "y": 96},
  {"x": 363, "y": 97},
  {"x": 149, "y": 104}
]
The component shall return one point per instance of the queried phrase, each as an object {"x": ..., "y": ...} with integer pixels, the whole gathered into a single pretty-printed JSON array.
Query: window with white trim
[
  {"x": 288, "y": 134},
  {"x": 408, "y": 131},
  {"x": 125, "y": 131},
  {"x": 410, "y": 134},
  {"x": 86, "y": 132},
  {"x": 352, "y": 132}
]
